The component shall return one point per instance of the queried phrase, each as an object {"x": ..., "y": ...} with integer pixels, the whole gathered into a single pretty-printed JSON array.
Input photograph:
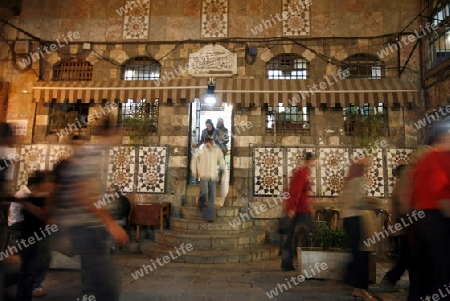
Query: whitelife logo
[
  {"x": 262, "y": 208},
  {"x": 391, "y": 48},
  {"x": 136, "y": 4},
  {"x": 35, "y": 56},
  {"x": 398, "y": 226},
  {"x": 323, "y": 85},
  {"x": 432, "y": 117},
  {"x": 373, "y": 149},
  {"x": 281, "y": 287},
  {"x": 83, "y": 120},
  {"x": 166, "y": 259},
  {"x": 11, "y": 250},
  {"x": 281, "y": 17}
]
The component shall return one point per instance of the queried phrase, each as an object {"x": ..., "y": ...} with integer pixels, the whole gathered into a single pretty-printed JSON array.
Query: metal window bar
[
  {"x": 143, "y": 111},
  {"x": 288, "y": 120},
  {"x": 141, "y": 68},
  {"x": 67, "y": 115},
  {"x": 352, "y": 114},
  {"x": 364, "y": 65},
  {"x": 78, "y": 70},
  {"x": 287, "y": 66}
]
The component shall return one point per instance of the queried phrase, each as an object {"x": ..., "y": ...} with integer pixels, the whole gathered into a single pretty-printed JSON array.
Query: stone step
[
  {"x": 219, "y": 242},
  {"x": 222, "y": 214},
  {"x": 192, "y": 201},
  {"x": 254, "y": 254},
  {"x": 200, "y": 226}
]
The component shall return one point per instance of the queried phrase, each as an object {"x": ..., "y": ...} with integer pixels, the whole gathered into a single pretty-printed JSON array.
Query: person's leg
[
  {"x": 210, "y": 210},
  {"x": 29, "y": 257},
  {"x": 401, "y": 263},
  {"x": 357, "y": 269},
  {"x": 432, "y": 232},
  {"x": 287, "y": 253},
  {"x": 42, "y": 266},
  {"x": 203, "y": 192},
  {"x": 98, "y": 269}
]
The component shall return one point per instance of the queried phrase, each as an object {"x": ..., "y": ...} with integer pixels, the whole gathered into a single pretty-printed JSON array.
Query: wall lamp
[{"x": 210, "y": 97}]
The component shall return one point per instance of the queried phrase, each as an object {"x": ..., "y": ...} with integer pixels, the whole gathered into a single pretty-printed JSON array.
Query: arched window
[
  {"x": 141, "y": 68},
  {"x": 287, "y": 66},
  {"x": 73, "y": 69},
  {"x": 364, "y": 65}
]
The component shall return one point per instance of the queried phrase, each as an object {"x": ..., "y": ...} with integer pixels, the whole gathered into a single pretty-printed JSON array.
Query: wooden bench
[{"x": 150, "y": 214}]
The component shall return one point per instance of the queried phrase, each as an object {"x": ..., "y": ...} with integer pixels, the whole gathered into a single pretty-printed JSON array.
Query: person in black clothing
[
  {"x": 35, "y": 256},
  {"x": 8, "y": 275}
]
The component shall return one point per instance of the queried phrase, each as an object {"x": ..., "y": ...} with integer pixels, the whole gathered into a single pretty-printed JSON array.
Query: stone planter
[{"x": 336, "y": 261}]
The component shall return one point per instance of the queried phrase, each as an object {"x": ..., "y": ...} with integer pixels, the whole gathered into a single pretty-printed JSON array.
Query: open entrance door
[{"x": 199, "y": 114}]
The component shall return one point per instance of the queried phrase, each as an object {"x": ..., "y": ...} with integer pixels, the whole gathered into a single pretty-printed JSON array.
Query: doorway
[{"x": 200, "y": 112}]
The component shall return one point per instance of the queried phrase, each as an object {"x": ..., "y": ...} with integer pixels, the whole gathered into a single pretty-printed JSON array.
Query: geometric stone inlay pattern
[
  {"x": 121, "y": 167},
  {"x": 395, "y": 157},
  {"x": 214, "y": 19},
  {"x": 297, "y": 22},
  {"x": 57, "y": 154},
  {"x": 136, "y": 20},
  {"x": 374, "y": 179},
  {"x": 32, "y": 157},
  {"x": 268, "y": 171},
  {"x": 152, "y": 169},
  {"x": 333, "y": 165}
]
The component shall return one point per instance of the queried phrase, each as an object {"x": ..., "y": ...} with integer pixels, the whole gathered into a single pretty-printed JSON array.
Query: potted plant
[
  {"x": 140, "y": 123},
  {"x": 333, "y": 250}
]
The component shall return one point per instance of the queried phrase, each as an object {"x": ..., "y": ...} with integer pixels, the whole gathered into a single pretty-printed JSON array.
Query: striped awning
[
  {"x": 120, "y": 90},
  {"x": 329, "y": 91}
]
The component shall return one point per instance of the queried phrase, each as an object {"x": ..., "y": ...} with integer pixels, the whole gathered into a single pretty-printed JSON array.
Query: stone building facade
[{"x": 320, "y": 39}]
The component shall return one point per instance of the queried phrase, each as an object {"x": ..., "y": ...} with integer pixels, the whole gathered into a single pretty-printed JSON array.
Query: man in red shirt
[
  {"x": 431, "y": 196},
  {"x": 298, "y": 209}
]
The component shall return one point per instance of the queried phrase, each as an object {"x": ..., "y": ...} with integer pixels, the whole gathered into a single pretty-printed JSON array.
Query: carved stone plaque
[{"x": 213, "y": 61}]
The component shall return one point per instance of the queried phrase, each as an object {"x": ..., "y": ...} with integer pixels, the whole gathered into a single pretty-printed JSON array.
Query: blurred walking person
[
  {"x": 401, "y": 238},
  {"x": 298, "y": 209},
  {"x": 359, "y": 222},
  {"x": 35, "y": 257},
  {"x": 204, "y": 165},
  {"x": 79, "y": 187},
  {"x": 431, "y": 194}
]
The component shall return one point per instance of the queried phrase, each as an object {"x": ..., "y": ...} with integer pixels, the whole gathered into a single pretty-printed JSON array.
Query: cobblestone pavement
[{"x": 179, "y": 281}]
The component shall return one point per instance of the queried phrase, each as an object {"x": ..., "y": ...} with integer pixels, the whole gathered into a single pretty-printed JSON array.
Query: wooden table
[{"x": 150, "y": 214}]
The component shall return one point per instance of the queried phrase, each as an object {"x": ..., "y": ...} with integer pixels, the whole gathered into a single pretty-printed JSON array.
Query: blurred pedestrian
[
  {"x": 119, "y": 207},
  {"x": 298, "y": 209},
  {"x": 400, "y": 238},
  {"x": 8, "y": 275},
  {"x": 204, "y": 165},
  {"x": 35, "y": 258},
  {"x": 431, "y": 232},
  {"x": 359, "y": 223},
  {"x": 79, "y": 187}
]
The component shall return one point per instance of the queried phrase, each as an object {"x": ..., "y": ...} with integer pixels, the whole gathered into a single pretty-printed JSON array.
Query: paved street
[{"x": 175, "y": 281}]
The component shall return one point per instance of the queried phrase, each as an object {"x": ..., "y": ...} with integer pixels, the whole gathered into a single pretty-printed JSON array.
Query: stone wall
[{"x": 337, "y": 29}]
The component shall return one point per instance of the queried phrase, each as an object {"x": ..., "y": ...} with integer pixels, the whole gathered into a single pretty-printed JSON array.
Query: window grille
[
  {"x": 139, "y": 116},
  {"x": 287, "y": 66},
  {"x": 355, "y": 117},
  {"x": 141, "y": 68},
  {"x": 364, "y": 65},
  {"x": 288, "y": 120},
  {"x": 70, "y": 116},
  {"x": 73, "y": 70}
]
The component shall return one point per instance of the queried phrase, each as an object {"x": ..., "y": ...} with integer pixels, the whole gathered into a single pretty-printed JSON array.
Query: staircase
[{"x": 217, "y": 242}]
